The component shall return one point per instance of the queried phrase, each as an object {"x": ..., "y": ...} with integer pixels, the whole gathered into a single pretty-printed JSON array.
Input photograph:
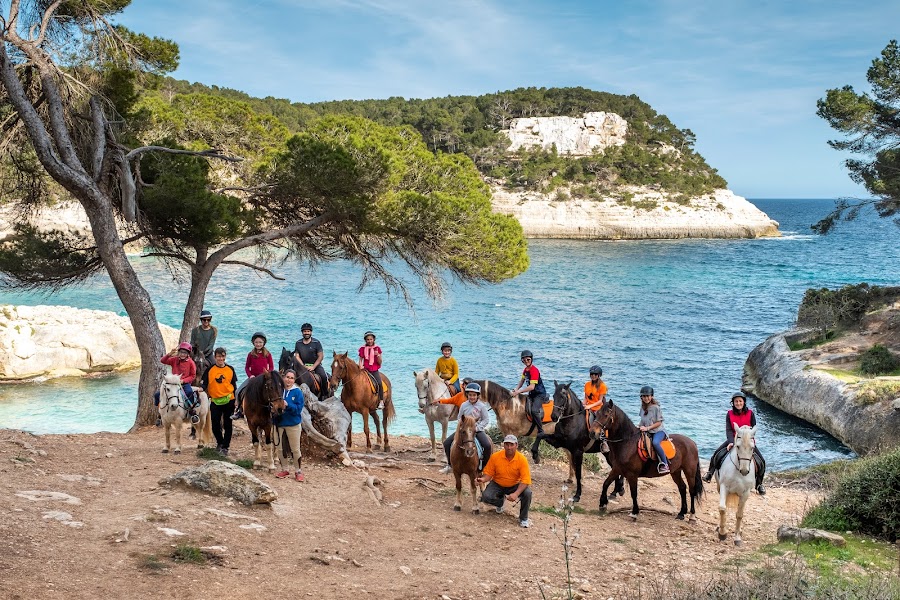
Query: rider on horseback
[
  {"x": 309, "y": 352},
  {"x": 651, "y": 422},
  {"x": 739, "y": 415},
  {"x": 203, "y": 337},
  {"x": 595, "y": 392},
  {"x": 370, "y": 360},
  {"x": 448, "y": 369},
  {"x": 180, "y": 360},
  {"x": 477, "y": 408},
  {"x": 259, "y": 360},
  {"x": 531, "y": 383}
]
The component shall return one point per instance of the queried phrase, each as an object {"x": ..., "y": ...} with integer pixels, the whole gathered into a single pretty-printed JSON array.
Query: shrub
[
  {"x": 865, "y": 500},
  {"x": 878, "y": 360}
]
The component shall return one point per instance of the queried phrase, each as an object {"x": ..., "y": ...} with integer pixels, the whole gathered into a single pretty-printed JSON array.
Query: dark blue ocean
[{"x": 679, "y": 315}]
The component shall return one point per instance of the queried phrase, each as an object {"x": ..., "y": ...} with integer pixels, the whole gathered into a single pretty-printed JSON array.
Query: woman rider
[
  {"x": 531, "y": 383},
  {"x": 739, "y": 415},
  {"x": 651, "y": 422},
  {"x": 476, "y": 408}
]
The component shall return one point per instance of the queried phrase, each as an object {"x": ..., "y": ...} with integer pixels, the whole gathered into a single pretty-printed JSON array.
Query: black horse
[
  {"x": 572, "y": 434},
  {"x": 288, "y": 361}
]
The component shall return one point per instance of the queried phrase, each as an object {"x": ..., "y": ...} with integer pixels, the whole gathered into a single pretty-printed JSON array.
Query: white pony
[
  {"x": 173, "y": 413},
  {"x": 735, "y": 479},
  {"x": 430, "y": 387}
]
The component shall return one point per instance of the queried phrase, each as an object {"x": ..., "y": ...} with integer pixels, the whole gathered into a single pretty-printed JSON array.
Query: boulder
[
  {"x": 786, "y": 533},
  {"x": 224, "y": 479},
  {"x": 58, "y": 341}
]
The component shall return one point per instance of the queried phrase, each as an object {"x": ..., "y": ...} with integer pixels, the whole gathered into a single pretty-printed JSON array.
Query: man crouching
[{"x": 508, "y": 477}]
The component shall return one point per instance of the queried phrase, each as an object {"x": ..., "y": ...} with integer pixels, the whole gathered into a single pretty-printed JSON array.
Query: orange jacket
[
  {"x": 457, "y": 399},
  {"x": 593, "y": 396}
]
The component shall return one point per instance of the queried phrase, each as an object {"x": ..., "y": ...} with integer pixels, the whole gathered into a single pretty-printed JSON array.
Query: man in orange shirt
[{"x": 508, "y": 477}]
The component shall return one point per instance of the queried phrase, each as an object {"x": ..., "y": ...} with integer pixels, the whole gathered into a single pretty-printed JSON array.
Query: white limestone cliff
[
  {"x": 574, "y": 136},
  {"x": 57, "y": 341}
]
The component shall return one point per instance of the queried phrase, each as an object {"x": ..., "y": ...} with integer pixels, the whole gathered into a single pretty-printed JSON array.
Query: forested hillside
[{"x": 657, "y": 153}]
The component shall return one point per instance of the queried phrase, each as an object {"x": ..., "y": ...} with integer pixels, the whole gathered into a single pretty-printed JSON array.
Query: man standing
[
  {"x": 508, "y": 477},
  {"x": 203, "y": 337},
  {"x": 309, "y": 352}
]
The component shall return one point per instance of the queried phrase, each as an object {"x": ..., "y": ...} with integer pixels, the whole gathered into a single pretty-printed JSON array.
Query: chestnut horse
[
  {"x": 464, "y": 460},
  {"x": 262, "y": 397},
  {"x": 624, "y": 460},
  {"x": 358, "y": 396}
]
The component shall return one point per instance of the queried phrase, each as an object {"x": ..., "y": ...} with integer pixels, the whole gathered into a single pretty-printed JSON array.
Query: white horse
[
  {"x": 173, "y": 412},
  {"x": 430, "y": 387},
  {"x": 735, "y": 479}
]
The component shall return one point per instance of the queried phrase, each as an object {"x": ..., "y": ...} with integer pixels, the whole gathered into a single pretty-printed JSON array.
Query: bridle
[
  {"x": 740, "y": 460},
  {"x": 426, "y": 400},
  {"x": 177, "y": 397}
]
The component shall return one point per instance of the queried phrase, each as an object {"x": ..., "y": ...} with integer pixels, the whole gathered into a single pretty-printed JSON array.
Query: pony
[
  {"x": 624, "y": 459},
  {"x": 287, "y": 360},
  {"x": 572, "y": 435},
  {"x": 262, "y": 397},
  {"x": 173, "y": 412},
  {"x": 357, "y": 396},
  {"x": 735, "y": 479},
  {"x": 464, "y": 460},
  {"x": 430, "y": 387}
]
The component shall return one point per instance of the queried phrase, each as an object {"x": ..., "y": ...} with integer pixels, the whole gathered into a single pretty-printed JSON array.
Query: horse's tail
[
  {"x": 697, "y": 493},
  {"x": 389, "y": 412}
]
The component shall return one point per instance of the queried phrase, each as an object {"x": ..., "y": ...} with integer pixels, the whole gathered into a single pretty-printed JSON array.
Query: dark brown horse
[
  {"x": 623, "y": 436},
  {"x": 262, "y": 397},
  {"x": 358, "y": 396},
  {"x": 464, "y": 460},
  {"x": 287, "y": 360}
]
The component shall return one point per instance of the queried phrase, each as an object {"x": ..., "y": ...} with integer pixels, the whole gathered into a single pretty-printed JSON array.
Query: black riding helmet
[
  {"x": 646, "y": 391},
  {"x": 473, "y": 387},
  {"x": 527, "y": 354},
  {"x": 596, "y": 370},
  {"x": 446, "y": 345},
  {"x": 741, "y": 395},
  {"x": 259, "y": 334}
]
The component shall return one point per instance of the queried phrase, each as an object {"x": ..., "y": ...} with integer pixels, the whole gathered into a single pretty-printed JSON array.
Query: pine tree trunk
[{"x": 200, "y": 278}]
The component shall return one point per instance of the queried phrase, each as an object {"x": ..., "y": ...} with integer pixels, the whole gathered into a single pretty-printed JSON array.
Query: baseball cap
[{"x": 510, "y": 439}]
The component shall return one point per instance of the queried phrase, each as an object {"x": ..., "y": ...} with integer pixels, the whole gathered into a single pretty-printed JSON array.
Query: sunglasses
[{"x": 206, "y": 319}]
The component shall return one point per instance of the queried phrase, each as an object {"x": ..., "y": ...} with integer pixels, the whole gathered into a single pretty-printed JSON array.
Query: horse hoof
[
  {"x": 176, "y": 452},
  {"x": 576, "y": 499},
  {"x": 693, "y": 519},
  {"x": 199, "y": 445},
  {"x": 165, "y": 450},
  {"x": 377, "y": 447},
  {"x": 368, "y": 451},
  {"x": 387, "y": 448},
  {"x": 738, "y": 543},
  {"x": 457, "y": 508},
  {"x": 680, "y": 517},
  {"x": 476, "y": 511},
  {"x": 431, "y": 459},
  {"x": 633, "y": 517},
  {"x": 722, "y": 537}
]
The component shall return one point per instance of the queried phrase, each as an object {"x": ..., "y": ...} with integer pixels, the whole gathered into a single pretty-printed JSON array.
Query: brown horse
[
  {"x": 358, "y": 396},
  {"x": 262, "y": 397},
  {"x": 464, "y": 460},
  {"x": 623, "y": 436}
]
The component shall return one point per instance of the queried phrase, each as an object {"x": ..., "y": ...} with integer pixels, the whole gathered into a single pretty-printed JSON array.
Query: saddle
[
  {"x": 646, "y": 450},
  {"x": 549, "y": 412},
  {"x": 375, "y": 381}
]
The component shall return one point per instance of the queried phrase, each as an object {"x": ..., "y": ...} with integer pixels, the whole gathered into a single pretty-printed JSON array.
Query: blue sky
[{"x": 744, "y": 76}]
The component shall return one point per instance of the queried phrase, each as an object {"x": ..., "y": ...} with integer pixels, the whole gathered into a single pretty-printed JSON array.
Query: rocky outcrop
[
  {"x": 644, "y": 215},
  {"x": 574, "y": 136},
  {"x": 784, "y": 379},
  {"x": 224, "y": 479},
  {"x": 56, "y": 341},
  {"x": 786, "y": 533}
]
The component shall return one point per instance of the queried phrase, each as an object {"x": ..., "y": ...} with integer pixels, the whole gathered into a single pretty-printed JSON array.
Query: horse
[
  {"x": 173, "y": 411},
  {"x": 735, "y": 479},
  {"x": 262, "y": 397},
  {"x": 357, "y": 396},
  {"x": 287, "y": 360},
  {"x": 571, "y": 434},
  {"x": 464, "y": 460},
  {"x": 201, "y": 363},
  {"x": 430, "y": 387},
  {"x": 624, "y": 459}
]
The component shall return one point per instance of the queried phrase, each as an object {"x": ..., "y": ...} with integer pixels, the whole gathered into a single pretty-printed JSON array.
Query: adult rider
[
  {"x": 309, "y": 352},
  {"x": 738, "y": 416},
  {"x": 531, "y": 383}
]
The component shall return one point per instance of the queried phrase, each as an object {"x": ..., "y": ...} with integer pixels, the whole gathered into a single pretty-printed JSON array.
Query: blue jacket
[{"x": 292, "y": 414}]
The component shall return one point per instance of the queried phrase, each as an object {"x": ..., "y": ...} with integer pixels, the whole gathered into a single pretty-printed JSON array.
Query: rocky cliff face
[
  {"x": 784, "y": 379},
  {"x": 575, "y": 136},
  {"x": 647, "y": 215},
  {"x": 56, "y": 341}
]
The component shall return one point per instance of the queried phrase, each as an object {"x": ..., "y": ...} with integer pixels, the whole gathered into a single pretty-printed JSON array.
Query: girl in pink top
[
  {"x": 370, "y": 360},
  {"x": 259, "y": 360}
]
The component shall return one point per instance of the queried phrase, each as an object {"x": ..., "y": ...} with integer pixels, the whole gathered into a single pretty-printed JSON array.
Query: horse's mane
[
  {"x": 622, "y": 417},
  {"x": 495, "y": 394},
  {"x": 255, "y": 385}
]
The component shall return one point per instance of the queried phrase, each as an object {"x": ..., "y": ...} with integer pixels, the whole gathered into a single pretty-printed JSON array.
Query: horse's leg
[
  {"x": 475, "y": 508},
  {"x": 604, "y": 499},
  {"x": 270, "y": 450},
  {"x": 576, "y": 460},
  {"x": 723, "y": 511},
  {"x": 350, "y": 431},
  {"x": 177, "y": 426},
  {"x": 430, "y": 422},
  {"x": 535, "y": 450},
  {"x": 257, "y": 463},
  {"x": 384, "y": 418},
  {"x": 168, "y": 433},
  {"x": 374, "y": 415},
  {"x": 682, "y": 490},
  {"x": 365, "y": 420},
  {"x": 738, "y": 517},
  {"x": 632, "y": 484},
  {"x": 458, "y": 505}
]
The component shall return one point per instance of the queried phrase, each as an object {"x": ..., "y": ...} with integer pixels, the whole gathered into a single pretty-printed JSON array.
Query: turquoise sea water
[{"x": 680, "y": 315}]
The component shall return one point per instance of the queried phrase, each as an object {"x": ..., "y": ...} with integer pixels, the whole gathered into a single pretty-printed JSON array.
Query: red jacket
[{"x": 185, "y": 368}]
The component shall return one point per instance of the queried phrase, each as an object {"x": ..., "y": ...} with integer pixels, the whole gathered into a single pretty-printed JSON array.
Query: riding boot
[{"x": 380, "y": 395}]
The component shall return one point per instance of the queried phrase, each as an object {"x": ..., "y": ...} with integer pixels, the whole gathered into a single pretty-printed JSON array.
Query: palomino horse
[
  {"x": 358, "y": 396},
  {"x": 736, "y": 478},
  {"x": 173, "y": 412},
  {"x": 262, "y": 397},
  {"x": 287, "y": 360},
  {"x": 430, "y": 387},
  {"x": 624, "y": 459},
  {"x": 464, "y": 460}
]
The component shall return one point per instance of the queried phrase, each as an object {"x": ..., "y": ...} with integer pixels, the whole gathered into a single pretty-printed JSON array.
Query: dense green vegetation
[
  {"x": 657, "y": 153},
  {"x": 878, "y": 360},
  {"x": 825, "y": 310}
]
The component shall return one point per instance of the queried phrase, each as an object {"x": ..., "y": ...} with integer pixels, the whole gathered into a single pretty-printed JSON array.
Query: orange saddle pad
[
  {"x": 646, "y": 452},
  {"x": 548, "y": 412}
]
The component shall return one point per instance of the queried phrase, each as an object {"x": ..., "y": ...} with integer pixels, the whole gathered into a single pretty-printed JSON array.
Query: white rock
[
  {"x": 405, "y": 570},
  {"x": 576, "y": 136},
  {"x": 40, "y": 495},
  {"x": 169, "y": 531},
  {"x": 56, "y": 341},
  {"x": 258, "y": 527},
  {"x": 63, "y": 517}
]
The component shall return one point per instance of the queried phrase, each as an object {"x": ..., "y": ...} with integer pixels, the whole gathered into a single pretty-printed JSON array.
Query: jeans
[
  {"x": 221, "y": 415},
  {"x": 188, "y": 392},
  {"x": 658, "y": 437},
  {"x": 494, "y": 495},
  {"x": 482, "y": 438}
]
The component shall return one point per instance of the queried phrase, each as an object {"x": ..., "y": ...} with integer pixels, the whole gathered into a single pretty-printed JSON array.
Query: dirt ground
[{"x": 117, "y": 532}]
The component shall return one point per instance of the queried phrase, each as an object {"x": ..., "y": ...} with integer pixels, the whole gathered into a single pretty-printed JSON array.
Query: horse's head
[
  {"x": 170, "y": 392},
  {"x": 273, "y": 392},
  {"x": 285, "y": 361},
  {"x": 603, "y": 420},
  {"x": 199, "y": 362},
  {"x": 465, "y": 435},
  {"x": 563, "y": 393},
  {"x": 339, "y": 368},
  {"x": 422, "y": 388},
  {"x": 744, "y": 442}
]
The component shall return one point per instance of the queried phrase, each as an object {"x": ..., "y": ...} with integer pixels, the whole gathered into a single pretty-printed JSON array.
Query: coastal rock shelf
[
  {"x": 786, "y": 380},
  {"x": 57, "y": 341},
  {"x": 648, "y": 215}
]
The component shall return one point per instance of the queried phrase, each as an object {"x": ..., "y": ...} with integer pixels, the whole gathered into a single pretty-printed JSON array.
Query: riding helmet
[
  {"x": 205, "y": 314},
  {"x": 306, "y": 327},
  {"x": 466, "y": 381},
  {"x": 738, "y": 395},
  {"x": 446, "y": 345},
  {"x": 527, "y": 354},
  {"x": 473, "y": 387},
  {"x": 259, "y": 334},
  {"x": 367, "y": 334},
  {"x": 186, "y": 346},
  {"x": 646, "y": 391},
  {"x": 596, "y": 370}
]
